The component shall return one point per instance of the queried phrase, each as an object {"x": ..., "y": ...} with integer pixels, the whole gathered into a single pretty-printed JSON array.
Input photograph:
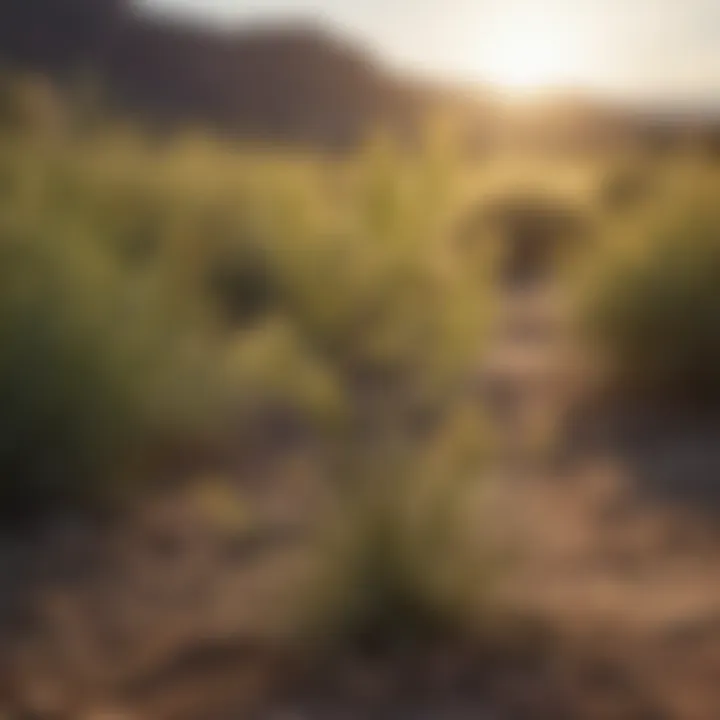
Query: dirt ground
[{"x": 617, "y": 571}]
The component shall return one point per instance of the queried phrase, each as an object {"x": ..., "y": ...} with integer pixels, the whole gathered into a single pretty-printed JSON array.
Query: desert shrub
[
  {"x": 653, "y": 308},
  {"x": 375, "y": 324},
  {"x": 152, "y": 280},
  {"x": 93, "y": 371},
  {"x": 400, "y": 563},
  {"x": 374, "y": 286}
]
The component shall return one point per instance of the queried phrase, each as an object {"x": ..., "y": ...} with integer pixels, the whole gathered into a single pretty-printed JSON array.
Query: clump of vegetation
[
  {"x": 154, "y": 293},
  {"x": 653, "y": 308},
  {"x": 199, "y": 300},
  {"x": 94, "y": 375},
  {"x": 402, "y": 565}
]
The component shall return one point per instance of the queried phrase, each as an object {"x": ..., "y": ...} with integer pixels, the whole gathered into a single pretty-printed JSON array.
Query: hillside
[{"x": 292, "y": 83}]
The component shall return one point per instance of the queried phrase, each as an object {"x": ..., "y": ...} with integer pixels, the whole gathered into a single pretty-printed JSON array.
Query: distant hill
[
  {"x": 58, "y": 36},
  {"x": 292, "y": 83}
]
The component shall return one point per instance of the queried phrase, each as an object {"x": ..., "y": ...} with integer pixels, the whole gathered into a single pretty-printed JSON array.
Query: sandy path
[{"x": 627, "y": 576}]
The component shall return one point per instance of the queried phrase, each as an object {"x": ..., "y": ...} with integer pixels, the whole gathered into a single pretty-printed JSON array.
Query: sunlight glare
[{"x": 531, "y": 51}]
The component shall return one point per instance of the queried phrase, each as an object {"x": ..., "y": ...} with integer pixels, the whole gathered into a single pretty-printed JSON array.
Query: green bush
[
  {"x": 401, "y": 565},
  {"x": 152, "y": 293},
  {"x": 90, "y": 376},
  {"x": 653, "y": 307}
]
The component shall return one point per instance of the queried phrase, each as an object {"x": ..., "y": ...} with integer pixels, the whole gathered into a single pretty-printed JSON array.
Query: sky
[{"x": 666, "y": 50}]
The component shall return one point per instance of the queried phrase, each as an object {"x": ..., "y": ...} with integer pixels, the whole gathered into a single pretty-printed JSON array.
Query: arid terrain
[{"x": 330, "y": 391}]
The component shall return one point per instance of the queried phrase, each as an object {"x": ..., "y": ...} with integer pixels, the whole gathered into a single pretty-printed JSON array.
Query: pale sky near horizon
[{"x": 636, "y": 49}]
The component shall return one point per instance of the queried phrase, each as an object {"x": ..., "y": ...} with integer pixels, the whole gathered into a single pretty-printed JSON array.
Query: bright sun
[{"x": 527, "y": 52}]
